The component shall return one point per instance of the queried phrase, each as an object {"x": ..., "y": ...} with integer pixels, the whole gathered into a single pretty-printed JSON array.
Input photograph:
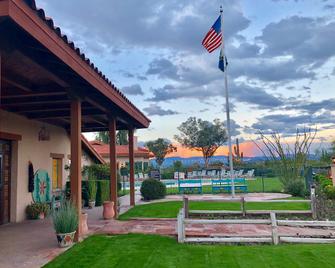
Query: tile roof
[
  {"x": 121, "y": 150},
  {"x": 40, "y": 12},
  {"x": 90, "y": 150}
]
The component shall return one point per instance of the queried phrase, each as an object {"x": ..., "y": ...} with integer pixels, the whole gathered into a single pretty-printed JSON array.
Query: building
[
  {"x": 50, "y": 94},
  {"x": 142, "y": 155}
]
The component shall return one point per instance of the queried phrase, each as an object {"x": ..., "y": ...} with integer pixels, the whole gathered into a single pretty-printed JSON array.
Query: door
[{"x": 5, "y": 167}]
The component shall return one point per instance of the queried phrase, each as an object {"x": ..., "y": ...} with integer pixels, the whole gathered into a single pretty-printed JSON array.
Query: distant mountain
[{"x": 188, "y": 161}]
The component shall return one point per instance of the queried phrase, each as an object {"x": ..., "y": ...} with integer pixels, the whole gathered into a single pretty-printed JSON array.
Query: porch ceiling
[{"x": 38, "y": 84}]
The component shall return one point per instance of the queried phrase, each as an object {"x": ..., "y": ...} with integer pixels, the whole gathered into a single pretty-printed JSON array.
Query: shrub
[
  {"x": 35, "y": 209},
  {"x": 65, "y": 218},
  {"x": 103, "y": 192},
  {"x": 329, "y": 190},
  {"x": 153, "y": 189},
  {"x": 92, "y": 190},
  {"x": 295, "y": 188},
  {"x": 84, "y": 191},
  {"x": 325, "y": 207}
]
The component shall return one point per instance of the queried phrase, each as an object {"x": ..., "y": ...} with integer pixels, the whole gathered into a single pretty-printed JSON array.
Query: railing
[
  {"x": 244, "y": 211},
  {"x": 273, "y": 237}
]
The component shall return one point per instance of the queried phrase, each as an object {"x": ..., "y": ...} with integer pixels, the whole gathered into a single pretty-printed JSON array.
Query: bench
[
  {"x": 190, "y": 185},
  {"x": 225, "y": 184}
]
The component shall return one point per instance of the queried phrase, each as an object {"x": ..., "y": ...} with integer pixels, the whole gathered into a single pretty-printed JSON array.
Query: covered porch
[{"x": 45, "y": 78}]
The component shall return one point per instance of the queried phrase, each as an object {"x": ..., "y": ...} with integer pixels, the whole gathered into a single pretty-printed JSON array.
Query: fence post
[
  {"x": 181, "y": 226},
  {"x": 263, "y": 182},
  {"x": 243, "y": 206},
  {"x": 313, "y": 203},
  {"x": 185, "y": 205},
  {"x": 275, "y": 238}
]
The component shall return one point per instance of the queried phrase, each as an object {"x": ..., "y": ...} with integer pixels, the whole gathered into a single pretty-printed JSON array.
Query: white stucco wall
[{"x": 31, "y": 149}]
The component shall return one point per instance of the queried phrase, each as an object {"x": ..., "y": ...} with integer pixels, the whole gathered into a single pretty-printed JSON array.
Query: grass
[
  {"x": 137, "y": 250},
  {"x": 170, "y": 209},
  {"x": 123, "y": 192},
  {"x": 271, "y": 185}
]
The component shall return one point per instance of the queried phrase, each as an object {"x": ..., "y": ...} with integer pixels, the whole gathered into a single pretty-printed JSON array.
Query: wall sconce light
[{"x": 43, "y": 134}]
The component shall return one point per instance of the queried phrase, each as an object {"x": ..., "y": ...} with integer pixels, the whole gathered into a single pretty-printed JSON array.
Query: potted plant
[
  {"x": 65, "y": 221},
  {"x": 92, "y": 192},
  {"x": 37, "y": 210}
]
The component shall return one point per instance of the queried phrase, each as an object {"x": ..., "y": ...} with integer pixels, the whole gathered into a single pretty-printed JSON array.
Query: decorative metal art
[{"x": 43, "y": 134}]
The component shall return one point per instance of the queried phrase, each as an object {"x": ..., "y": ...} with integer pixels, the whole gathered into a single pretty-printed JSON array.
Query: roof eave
[{"x": 42, "y": 29}]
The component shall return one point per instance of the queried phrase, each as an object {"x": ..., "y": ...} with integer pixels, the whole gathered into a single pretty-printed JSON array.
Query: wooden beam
[
  {"x": 75, "y": 174},
  {"x": 0, "y": 79},
  {"x": 112, "y": 163},
  {"x": 44, "y": 94},
  {"x": 30, "y": 103},
  {"x": 10, "y": 136},
  {"x": 59, "y": 114},
  {"x": 16, "y": 84},
  {"x": 131, "y": 166},
  {"x": 94, "y": 119}
]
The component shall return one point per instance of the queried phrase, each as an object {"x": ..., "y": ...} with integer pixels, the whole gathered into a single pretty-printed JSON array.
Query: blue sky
[{"x": 281, "y": 60}]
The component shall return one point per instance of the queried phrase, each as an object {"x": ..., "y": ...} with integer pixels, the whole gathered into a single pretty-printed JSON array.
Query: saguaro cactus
[{"x": 237, "y": 155}]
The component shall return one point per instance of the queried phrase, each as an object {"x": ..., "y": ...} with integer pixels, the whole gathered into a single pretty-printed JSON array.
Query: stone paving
[{"x": 168, "y": 227}]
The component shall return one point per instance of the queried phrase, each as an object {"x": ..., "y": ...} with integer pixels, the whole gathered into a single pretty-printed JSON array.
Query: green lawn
[
  {"x": 170, "y": 209},
  {"x": 136, "y": 250},
  {"x": 271, "y": 185}
]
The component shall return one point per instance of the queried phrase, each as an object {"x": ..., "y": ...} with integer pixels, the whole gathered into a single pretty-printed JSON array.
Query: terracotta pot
[
  {"x": 41, "y": 216},
  {"x": 91, "y": 204},
  {"x": 108, "y": 212},
  {"x": 65, "y": 240},
  {"x": 84, "y": 227}
]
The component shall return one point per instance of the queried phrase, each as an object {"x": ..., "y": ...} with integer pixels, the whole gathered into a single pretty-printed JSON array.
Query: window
[{"x": 57, "y": 173}]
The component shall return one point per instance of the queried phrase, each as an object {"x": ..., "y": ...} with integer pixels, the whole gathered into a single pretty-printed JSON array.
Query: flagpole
[{"x": 227, "y": 112}]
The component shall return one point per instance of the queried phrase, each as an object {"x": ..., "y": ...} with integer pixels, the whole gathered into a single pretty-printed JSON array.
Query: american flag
[{"x": 213, "y": 38}]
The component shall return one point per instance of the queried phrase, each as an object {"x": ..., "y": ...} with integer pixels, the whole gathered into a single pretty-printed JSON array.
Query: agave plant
[{"x": 65, "y": 218}]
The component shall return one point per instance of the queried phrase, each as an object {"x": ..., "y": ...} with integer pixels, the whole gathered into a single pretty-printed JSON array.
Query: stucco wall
[{"x": 31, "y": 149}]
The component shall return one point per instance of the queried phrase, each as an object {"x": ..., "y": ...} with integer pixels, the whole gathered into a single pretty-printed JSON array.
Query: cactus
[{"x": 237, "y": 155}]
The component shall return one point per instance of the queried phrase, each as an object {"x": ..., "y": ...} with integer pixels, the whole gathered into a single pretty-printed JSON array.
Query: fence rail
[{"x": 273, "y": 237}]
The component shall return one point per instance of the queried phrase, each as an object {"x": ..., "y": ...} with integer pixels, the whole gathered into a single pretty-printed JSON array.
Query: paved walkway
[
  {"x": 27, "y": 244},
  {"x": 168, "y": 227}
]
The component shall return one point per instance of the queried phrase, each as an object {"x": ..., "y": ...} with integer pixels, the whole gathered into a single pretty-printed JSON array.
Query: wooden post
[
  {"x": 186, "y": 209},
  {"x": 313, "y": 203},
  {"x": 181, "y": 226},
  {"x": 131, "y": 166},
  {"x": 75, "y": 171},
  {"x": 332, "y": 171},
  {"x": 112, "y": 163},
  {"x": 275, "y": 238},
  {"x": 243, "y": 206},
  {"x": 0, "y": 80}
]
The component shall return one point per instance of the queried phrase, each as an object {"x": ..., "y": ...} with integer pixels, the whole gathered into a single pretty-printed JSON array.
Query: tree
[
  {"x": 177, "y": 165},
  {"x": 102, "y": 136},
  {"x": 121, "y": 137},
  {"x": 160, "y": 148},
  {"x": 201, "y": 135}
]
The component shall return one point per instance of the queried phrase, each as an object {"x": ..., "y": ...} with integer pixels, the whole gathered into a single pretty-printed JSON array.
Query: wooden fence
[
  {"x": 274, "y": 237},
  {"x": 243, "y": 211}
]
